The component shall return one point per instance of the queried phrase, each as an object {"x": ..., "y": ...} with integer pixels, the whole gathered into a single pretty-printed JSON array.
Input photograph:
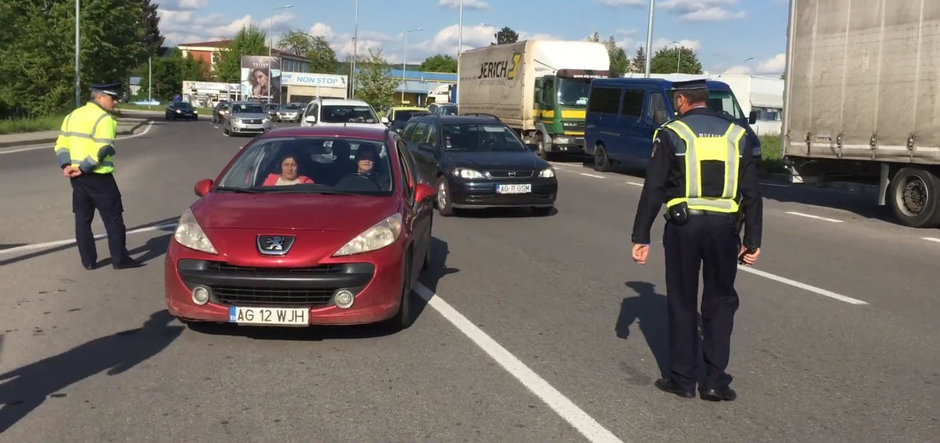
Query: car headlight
[
  {"x": 189, "y": 234},
  {"x": 195, "y": 111},
  {"x": 378, "y": 236},
  {"x": 561, "y": 140},
  {"x": 178, "y": 111},
  {"x": 547, "y": 173},
  {"x": 467, "y": 173}
]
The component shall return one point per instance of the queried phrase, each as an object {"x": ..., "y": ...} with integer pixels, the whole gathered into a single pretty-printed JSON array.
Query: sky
[{"x": 729, "y": 36}]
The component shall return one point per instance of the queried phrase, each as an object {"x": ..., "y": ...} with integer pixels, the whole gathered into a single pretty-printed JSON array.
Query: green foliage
[
  {"x": 638, "y": 63},
  {"x": 322, "y": 57},
  {"x": 37, "y": 46},
  {"x": 296, "y": 42},
  {"x": 249, "y": 41},
  {"x": 376, "y": 86},
  {"x": 666, "y": 59},
  {"x": 168, "y": 75},
  {"x": 439, "y": 63},
  {"x": 771, "y": 154},
  {"x": 505, "y": 35},
  {"x": 45, "y": 123}
]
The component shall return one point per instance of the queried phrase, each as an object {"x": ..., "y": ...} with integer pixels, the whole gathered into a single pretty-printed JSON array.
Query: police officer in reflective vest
[
  {"x": 85, "y": 151},
  {"x": 703, "y": 168}
]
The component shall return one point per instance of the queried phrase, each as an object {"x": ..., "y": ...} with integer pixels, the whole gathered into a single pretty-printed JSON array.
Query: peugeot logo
[
  {"x": 275, "y": 244},
  {"x": 512, "y": 173}
]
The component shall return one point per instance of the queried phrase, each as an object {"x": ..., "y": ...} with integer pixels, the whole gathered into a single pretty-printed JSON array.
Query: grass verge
[
  {"x": 17, "y": 125},
  {"x": 771, "y": 156}
]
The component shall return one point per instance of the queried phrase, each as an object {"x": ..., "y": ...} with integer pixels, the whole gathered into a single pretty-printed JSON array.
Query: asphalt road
[{"x": 537, "y": 329}]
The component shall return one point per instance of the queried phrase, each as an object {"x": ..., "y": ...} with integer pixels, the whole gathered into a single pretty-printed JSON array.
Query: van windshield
[
  {"x": 719, "y": 101},
  {"x": 573, "y": 92}
]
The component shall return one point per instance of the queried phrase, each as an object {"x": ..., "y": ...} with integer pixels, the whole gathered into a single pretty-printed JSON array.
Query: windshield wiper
[{"x": 237, "y": 190}]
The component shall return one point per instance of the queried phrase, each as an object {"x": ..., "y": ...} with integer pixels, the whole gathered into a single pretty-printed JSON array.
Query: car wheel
[
  {"x": 404, "y": 317},
  {"x": 444, "y": 202},
  {"x": 543, "y": 210},
  {"x": 601, "y": 161},
  {"x": 226, "y": 131}
]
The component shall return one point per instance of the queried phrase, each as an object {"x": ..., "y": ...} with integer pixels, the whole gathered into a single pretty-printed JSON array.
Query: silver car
[
  {"x": 289, "y": 112},
  {"x": 246, "y": 118}
]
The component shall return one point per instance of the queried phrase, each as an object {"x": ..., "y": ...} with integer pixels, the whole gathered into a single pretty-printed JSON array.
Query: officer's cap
[
  {"x": 112, "y": 89},
  {"x": 690, "y": 85}
]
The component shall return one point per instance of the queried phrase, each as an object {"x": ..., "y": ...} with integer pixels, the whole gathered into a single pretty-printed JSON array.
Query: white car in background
[{"x": 340, "y": 112}]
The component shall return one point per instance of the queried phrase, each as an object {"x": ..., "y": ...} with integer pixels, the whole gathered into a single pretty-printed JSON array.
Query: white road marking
[
  {"x": 816, "y": 217},
  {"x": 937, "y": 240},
  {"x": 775, "y": 185},
  {"x": 591, "y": 175},
  {"x": 53, "y": 244},
  {"x": 559, "y": 164},
  {"x": 635, "y": 184},
  {"x": 804, "y": 286},
  {"x": 570, "y": 412},
  {"x": 50, "y": 146}
]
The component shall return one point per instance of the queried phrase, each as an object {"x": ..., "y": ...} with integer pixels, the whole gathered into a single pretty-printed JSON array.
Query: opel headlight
[
  {"x": 178, "y": 111},
  {"x": 467, "y": 173},
  {"x": 547, "y": 173},
  {"x": 189, "y": 234},
  {"x": 378, "y": 236}
]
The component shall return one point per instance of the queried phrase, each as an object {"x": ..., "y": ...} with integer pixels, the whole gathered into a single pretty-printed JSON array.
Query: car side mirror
[
  {"x": 424, "y": 192},
  {"x": 202, "y": 187},
  {"x": 311, "y": 119},
  {"x": 659, "y": 117},
  {"x": 384, "y": 120},
  {"x": 752, "y": 118}
]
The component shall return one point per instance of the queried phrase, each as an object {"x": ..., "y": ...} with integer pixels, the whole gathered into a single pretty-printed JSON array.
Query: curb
[{"x": 37, "y": 141}]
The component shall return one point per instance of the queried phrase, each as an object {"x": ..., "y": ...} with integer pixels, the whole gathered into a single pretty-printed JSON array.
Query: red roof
[{"x": 228, "y": 42}]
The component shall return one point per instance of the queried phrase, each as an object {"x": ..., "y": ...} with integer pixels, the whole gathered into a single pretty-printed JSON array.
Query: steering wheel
[{"x": 358, "y": 182}]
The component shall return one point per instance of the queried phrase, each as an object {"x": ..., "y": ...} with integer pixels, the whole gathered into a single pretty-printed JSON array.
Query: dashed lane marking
[
  {"x": 815, "y": 217},
  {"x": 935, "y": 240},
  {"x": 52, "y": 244},
  {"x": 801, "y": 285},
  {"x": 591, "y": 175}
]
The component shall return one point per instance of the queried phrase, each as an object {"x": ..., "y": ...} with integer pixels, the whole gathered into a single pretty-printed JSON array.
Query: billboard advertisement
[{"x": 261, "y": 78}]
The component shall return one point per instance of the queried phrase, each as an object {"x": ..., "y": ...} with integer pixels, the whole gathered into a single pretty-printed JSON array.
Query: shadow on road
[
  {"x": 24, "y": 389},
  {"x": 155, "y": 247},
  {"x": 649, "y": 310}
]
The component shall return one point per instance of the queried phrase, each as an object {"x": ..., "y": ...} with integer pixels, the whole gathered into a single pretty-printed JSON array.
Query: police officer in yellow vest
[
  {"x": 85, "y": 151},
  {"x": 702, "y": 167}
]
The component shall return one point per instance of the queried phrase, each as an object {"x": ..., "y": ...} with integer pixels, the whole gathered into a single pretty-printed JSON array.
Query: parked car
[
  {"x": 246, "y": 117},
  {"x": 178, "y": 110},
  {"x": 289, "y": 112},
  {"x": 398, "y": 116},
  {"x": 623, "y": 113},
  {"x": 296, "y": 254},
  {"x": 271, "y": 109},
  {"x": 478, "y": 162},
  {"x": 341, "y": 112},
  {"x": 220, "y": 112}
]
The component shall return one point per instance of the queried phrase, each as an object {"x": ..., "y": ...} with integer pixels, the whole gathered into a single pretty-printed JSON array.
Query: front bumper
[
  {"x": 288, "y": 117},
  {"x": 375, "y": 278},
  {"x": 483, "y": 193},
  {"x": 567, "y": 144},
  {"x": 250, "y": 127}
]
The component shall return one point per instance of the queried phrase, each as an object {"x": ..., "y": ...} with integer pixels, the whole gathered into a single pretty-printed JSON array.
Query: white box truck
[
  {"x": 862, "y": 99},
  {"x": 537, "y": 87}
]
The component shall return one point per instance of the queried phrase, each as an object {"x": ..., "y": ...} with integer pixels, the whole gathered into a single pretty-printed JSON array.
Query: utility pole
[
  {"x": 78, "y": 72},
  {"x": 404, "y": 62},
  {"x": 649, "y": 38},
  {"x": 352, "y": 73},
  {"x": 270, "y": 44}
]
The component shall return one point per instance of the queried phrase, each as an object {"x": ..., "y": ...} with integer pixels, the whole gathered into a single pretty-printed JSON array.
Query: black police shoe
[
  {"x": 669, "y": 385},
  {"x": 127, "y": 263},
  {"x": 718, "y": 394},
  {"x": 90, "y": 267}
]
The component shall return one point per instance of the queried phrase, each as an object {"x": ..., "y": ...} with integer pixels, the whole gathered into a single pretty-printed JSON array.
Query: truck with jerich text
[
  {"x": 539, "y": 88},
  {"x": 862, "y": 100}
]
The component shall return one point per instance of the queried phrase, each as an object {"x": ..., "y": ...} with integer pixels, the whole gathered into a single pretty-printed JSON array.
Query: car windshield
[
  {"x": 348, "y": 114},
  {"x": 247, "y": 109},
  {"x": 292, "y": 107},
  {"x": 311, "y": 165},
  {"x": 480, "y": 137},
  {"x": 447, "y": 110},
  {"x": 573, "y": 92},
  {"x": 182, "y": 105},
  {"x": 402, "y": 116}
]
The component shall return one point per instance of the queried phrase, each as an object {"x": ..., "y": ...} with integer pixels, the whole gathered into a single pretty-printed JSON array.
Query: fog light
[
  {"x": 343, "y": 298},
  {"x": 200, "y": 295}
]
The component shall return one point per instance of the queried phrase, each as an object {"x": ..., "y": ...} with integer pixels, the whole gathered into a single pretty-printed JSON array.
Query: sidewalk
[{"x": 126, "y": 125}]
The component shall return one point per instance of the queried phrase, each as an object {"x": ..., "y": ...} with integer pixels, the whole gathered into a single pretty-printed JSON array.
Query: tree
[
  {"x": 439, "y": 63},
  {"x": 638, "y": 63},
  {"x": 505, "y": 35},
  {"x": 666, "y": 60},
  {"x": 619, "y": 62},
  {"x": 149, "y": 23},
  {"x": 296, "y": 42},
  {"x": 249, "y": 41},
  {"x": 376, "y": 86},
  {"x": 322, "y": 56}
]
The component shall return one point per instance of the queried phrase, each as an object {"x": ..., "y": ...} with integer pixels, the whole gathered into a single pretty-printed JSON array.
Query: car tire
[
  {"x": 444, "y": 202},
  {"x": 601, "y": 160},
  {"x": 404, "y": 317},
  {"x": 226, "y": 131},
  {"x": 912, "y": 196},
  {"x": 543, "y": 210}
]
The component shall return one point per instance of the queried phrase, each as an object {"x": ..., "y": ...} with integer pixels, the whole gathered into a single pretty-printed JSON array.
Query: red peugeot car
[{"x": 314, "y": 225}]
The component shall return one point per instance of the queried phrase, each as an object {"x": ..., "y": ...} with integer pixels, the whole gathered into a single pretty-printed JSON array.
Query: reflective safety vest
[
  {"x": 86, "y": 140},
  {"x": 726, "y": 149}
]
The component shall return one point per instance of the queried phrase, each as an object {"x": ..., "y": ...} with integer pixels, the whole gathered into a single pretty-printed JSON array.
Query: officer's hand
[
  {"x": 749, "y": 259},
  {"x": 640, "y": 252}
]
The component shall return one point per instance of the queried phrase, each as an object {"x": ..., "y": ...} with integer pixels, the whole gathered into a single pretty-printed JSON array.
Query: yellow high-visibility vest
[
  {"x": 86, "y": 140},
  {"x": 726, "y": 149}
]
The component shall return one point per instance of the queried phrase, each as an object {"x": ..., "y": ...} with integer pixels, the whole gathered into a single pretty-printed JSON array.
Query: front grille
[
  {"x": 251, "y": 121},
  {"x": 573, "y": 126},
  {"x": 288, "y": 297},
  {"x": 317, "y": 270},
  {"x": 510, "y": 173}
]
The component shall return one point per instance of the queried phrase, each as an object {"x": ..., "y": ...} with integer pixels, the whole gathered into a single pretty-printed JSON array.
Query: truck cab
[
  {"x": 623, "y": 114},
  {"x": 560, "y": 103}
]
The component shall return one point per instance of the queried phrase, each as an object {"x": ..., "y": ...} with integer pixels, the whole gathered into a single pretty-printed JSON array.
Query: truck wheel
[
  {"x": 913, "y": 197},
  {"x": 601, "y": 161},
  {"x": 540, "y": 148}
]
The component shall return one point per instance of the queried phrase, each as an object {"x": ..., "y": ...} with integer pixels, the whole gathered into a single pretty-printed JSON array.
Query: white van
[{"x": 340, "y": 112}]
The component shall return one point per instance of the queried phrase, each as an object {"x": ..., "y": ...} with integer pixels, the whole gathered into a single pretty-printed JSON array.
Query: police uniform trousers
[
  {"x": 98, "y": 191},
  {"x": 708, "y": 243}
]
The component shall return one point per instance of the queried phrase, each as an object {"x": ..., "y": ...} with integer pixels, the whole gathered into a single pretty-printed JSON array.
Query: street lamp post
[
  {"x": 404, "y": 62},
  {"x": 649, "y": 36},
  {"x": 78, "y": 74},
  {"x": 271, "y": 43},
  {"x": 679, "y": 55},
  {"x": 352, "y": 71}
]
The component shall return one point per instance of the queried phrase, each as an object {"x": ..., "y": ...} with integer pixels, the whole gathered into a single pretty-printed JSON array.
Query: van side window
[
  {"x": 604, "y": 100},
  {"x": 633, "y": 102},
  {"x": 409, "y": 130},
  {"x": 420, "y": 134},
  {"x": 657, "y": 110}
]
